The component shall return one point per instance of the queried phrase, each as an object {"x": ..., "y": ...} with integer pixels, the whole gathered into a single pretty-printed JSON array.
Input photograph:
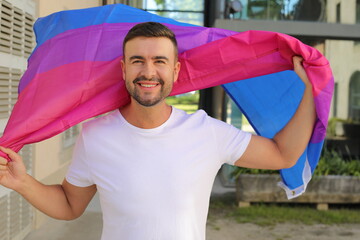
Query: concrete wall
[
  {"x": 344, "y": 56},
  {"x": 46, "y": 7}
]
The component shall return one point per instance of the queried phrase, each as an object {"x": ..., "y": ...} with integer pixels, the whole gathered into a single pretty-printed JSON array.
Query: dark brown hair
[{"x": 150, "y": 29}]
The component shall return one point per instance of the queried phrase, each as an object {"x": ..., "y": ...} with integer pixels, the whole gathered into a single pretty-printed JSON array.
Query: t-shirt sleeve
[
  {"x": 231, "y": 141},
  {"x": 78, "y": 173}
]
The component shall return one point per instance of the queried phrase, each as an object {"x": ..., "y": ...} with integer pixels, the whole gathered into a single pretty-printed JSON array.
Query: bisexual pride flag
[{"x": 74, "y": 74}]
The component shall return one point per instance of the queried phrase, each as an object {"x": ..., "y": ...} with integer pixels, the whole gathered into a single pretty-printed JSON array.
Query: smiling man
[
  {"x": 152, "y": 164},
  {"x": 148, "y": 65}
]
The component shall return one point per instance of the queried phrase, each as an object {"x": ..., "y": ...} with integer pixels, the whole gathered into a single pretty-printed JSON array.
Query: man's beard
[{"x": 164, "y": 91}]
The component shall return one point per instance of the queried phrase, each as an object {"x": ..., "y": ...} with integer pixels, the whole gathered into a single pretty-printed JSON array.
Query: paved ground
[
  {"x": 88, "y": 227},
  {"x": 225, "y": 229}
]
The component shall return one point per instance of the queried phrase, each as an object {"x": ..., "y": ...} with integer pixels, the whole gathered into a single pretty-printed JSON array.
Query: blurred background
[{"x": 331, "y": 26}]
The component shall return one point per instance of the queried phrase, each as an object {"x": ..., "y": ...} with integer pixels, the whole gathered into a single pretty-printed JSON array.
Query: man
[{"x": 152, "y": 164}]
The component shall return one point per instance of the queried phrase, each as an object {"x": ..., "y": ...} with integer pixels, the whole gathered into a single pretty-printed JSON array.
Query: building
[{"x": 332, "y": 26}]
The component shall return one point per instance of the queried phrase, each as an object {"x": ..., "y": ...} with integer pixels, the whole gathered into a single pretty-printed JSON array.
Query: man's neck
[{"x": 146, "y": 117}]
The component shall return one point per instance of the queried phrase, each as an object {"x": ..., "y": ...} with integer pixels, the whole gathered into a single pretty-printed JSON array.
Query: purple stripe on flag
[{"x": 322, "y": 103}]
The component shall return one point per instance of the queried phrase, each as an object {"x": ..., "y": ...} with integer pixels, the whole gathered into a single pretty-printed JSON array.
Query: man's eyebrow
[
  {"x": 160, "y": 57},
  {"x": 136, "y": 57},
  {"x": 154, "y": 58}
]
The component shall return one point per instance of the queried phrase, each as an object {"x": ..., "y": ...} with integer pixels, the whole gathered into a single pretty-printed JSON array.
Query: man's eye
[
  {"x": 136, "y": 61},
  {"x": 160, "y": 61}
]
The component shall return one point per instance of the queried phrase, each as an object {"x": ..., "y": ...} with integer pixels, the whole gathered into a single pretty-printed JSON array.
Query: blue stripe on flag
[
  {"x": 57, "y": 23},
  {"x": 268, "y": 101}
]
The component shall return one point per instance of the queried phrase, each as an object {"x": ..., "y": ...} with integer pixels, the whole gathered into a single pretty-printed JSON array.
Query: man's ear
[
  {"x": 177, "y": 70},
  {"x": 122, "y": 62}
]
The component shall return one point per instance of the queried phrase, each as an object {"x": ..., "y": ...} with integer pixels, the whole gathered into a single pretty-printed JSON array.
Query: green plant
[
  {"x": 331, "y": 163},
  {"x": 239, "y": 170},
  {"x": 190, "y": 98},
  {"x": 187, "y": 102},
  {"x": 330, "y": 131}
]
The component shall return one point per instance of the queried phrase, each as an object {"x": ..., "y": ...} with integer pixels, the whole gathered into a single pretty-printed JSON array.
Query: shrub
[{"x": 330, "y": 163}]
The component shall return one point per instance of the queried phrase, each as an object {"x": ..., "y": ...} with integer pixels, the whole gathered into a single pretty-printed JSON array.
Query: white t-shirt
[{"x": 154, "y": 183}]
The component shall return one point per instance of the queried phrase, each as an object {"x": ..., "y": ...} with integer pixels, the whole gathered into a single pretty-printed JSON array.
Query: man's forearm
[{"x": 49, "y": 199}]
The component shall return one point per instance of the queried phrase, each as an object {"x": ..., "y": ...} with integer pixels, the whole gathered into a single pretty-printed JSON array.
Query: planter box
[{"x": 321, "y": 190}]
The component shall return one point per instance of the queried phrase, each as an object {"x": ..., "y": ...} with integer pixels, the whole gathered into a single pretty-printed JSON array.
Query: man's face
[{"x": 150, "y": 69}]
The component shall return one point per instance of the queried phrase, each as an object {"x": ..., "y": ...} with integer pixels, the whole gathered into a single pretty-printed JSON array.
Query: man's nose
[{"x": 149, "y": 70}]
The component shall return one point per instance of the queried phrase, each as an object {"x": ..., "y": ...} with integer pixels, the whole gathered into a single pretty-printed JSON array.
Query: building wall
[
  {"x": 344, "y": 56},
  {"x": 16, "y": 43},
  {"x": 46, "y": 7}
]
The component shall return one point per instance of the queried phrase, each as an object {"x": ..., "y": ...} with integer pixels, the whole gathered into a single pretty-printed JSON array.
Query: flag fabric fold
[{"x": 74, "y": 74}]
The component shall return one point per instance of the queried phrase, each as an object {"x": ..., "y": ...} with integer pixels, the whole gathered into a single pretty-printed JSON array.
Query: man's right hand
[
  {"x": 61, "y": 201},
  {"x": 13, "y": 173}
]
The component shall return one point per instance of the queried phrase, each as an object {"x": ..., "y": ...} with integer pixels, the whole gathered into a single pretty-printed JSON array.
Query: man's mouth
[{"x": 148, "y": 85}]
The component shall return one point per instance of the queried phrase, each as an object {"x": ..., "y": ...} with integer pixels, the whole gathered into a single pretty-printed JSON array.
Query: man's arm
[
  {"x": 64, "y": 201},
  {"x": 287, "y": 146}
]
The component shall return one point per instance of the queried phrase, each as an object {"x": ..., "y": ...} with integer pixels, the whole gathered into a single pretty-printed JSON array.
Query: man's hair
[{"x": 150, "y": 29}]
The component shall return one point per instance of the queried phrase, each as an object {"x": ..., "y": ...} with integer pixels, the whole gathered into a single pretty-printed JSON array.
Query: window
[
  {"x": 16, "y": 34},
  {"x": 231, "y": 113},
  {"x": 189, "y": 11},
  {"x": 29, "y": 35},
  {"x": 9, "y": 81},
  {"x": 5, "y": 27},
  {"x": 354, "y": 97},
  {"x": 338, "y": 13},
  {"x": 335, "y": 100},
  {"x": 358, "y": 11}
]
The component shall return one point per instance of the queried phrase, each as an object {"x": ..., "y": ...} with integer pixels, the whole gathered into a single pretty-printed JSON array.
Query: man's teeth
[{"x": 148, "y": 85}]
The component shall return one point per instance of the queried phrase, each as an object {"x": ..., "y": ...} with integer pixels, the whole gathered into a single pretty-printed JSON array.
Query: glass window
[
  {"x": 358, "y": 11},
  {"x": 354, "y": 97},
  {"x": 265, "y": 9},
  {"x": 187, "y": 17},
  {"x": 231, "y": 113},
  {"x": 300, "y": 10},
  {"x": 175, "y": 5},
  {"x": 335, "y": 99},
  {"x": 338, "y": 13},
  {"x": 189, "y": 11}
]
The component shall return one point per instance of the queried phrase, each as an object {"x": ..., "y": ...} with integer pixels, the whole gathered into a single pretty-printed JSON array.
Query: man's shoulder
[
  {"x": 102, "y": 121},
  {"x": 182, "y": 115},
  {"x": 199, "y": 116}
]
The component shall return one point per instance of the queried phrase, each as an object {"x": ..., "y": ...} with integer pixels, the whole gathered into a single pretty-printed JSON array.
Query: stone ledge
[{"x": 321, "y": 190}]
